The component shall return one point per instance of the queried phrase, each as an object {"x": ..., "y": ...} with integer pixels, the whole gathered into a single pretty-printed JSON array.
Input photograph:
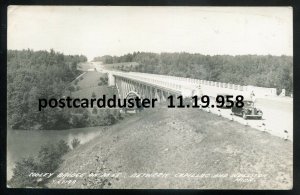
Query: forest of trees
[
  {"x": 32, "y": 75},
  {"x": 38, "y": 74},
  {"x": 263, "y": 71},
  {"x": 107, "y": 59}
]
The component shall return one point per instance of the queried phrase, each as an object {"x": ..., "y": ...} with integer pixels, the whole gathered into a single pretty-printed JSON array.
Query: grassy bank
[{"x": 181, "y": 141}]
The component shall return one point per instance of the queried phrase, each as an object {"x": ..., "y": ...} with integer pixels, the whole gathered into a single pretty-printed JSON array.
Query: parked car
[{"x": 247, "y": 111}]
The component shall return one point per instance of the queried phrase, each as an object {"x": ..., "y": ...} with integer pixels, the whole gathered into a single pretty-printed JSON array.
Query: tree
[
  {"x": 264, "y": 71},
  {"x": 94, "y": 111},
  {"x": 93, "y": 95},
  {"x": 21, "y": 172},
  {"x": 62, "y": 147},
  {"x": 75, "y": 142},
  {"x": 33, "y": 75},
  {"x": 76, "y": 82},
  {"x": 48, "y": 161}
]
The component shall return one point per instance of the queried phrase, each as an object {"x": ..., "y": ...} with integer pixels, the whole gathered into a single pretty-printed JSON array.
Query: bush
[
  {"x": 94, "y": 111},
  {"x": 103, "y": 81},
  {"x": 62, "y": 147},
  {"x": 48, "y": 160},
  {"x": 75, "y": 142},
  {"x": 79, "y": 121},
  {"x": 71, "y": 88},
  {"x": 21, "y": 173},
  {"x": 49, "y": 157},
  {"x": 15, "y": 120},
  {"x": 110, "y": 119}
]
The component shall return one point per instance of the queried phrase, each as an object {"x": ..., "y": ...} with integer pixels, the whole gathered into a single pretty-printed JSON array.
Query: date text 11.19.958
[{"x": 204, "y": 101}]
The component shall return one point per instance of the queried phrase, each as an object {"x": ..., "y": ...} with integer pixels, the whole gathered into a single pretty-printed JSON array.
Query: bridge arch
[{"x": 133, "y": 94}]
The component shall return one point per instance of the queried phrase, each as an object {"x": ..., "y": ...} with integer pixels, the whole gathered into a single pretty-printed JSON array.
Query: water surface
[{"x": 25, "y": 143}]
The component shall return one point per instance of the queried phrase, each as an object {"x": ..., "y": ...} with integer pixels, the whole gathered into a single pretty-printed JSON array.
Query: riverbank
[{"x": 23, "y": 143}]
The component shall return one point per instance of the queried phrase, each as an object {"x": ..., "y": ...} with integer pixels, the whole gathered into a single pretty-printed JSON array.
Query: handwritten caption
[{"x": 72, "y": 178}]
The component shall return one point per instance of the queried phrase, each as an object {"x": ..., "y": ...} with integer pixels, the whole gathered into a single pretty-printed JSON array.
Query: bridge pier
[
  {"x": 164, "y": 96},
  {"x": 111, "y": 79},
  {"x": 156, "y": 95}
]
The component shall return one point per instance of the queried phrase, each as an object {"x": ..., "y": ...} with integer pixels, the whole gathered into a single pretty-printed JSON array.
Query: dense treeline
[
  {"x": 38, "y": 74},
  {"x": 263, "y": 71},
  {"x": 107, "y": 59}
]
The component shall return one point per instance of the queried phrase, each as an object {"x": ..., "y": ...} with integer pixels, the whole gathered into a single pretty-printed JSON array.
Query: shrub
[
  {"x": 62, "y": 147},
  {"x": 110, "y": 119},
  {"x": 48, "y": 160},
  {"x": 15, "y": 120},
  {"x": 49, "y": 156},
  {"x": 75, "y": 142},
  {"x": 103, "y": 81},
  {"x": 21, "y": 173},
  {"x": 78, "y": 121},
  {"x": 94, "y": 111},
  {"x": 71, "y": 88}
]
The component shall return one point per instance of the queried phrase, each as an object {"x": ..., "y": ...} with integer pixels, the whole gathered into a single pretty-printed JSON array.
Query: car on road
[{"x": 247, "y": 111}]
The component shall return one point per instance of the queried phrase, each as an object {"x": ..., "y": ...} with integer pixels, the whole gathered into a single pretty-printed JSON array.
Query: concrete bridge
[
  {"x": 151, "y": 86},
  {"x": 161, "y": 86},
  {"x": 278, "y": 111}
]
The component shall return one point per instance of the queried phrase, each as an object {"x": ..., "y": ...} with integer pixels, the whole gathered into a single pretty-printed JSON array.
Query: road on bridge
[{"x": 278, "y": 111}]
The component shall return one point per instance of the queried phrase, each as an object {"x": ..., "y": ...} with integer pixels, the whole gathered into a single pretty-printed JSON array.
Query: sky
[{"x": 108, "y": 30}]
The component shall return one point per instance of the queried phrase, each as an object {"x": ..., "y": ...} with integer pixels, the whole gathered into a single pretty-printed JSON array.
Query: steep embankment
[{"x": 181, "y": 141}]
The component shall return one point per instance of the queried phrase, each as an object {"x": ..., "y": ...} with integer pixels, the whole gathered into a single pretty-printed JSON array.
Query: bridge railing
[
  {"x": 178, "y": 83},
  {"x": 150, "y": 80}
]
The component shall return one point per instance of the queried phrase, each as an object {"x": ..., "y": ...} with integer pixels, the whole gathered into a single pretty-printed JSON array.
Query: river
[{"x": 22, "y": 143}]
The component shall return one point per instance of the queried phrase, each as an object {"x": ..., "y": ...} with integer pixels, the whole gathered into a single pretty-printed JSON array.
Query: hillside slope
[{"x": 176, "y": 141}]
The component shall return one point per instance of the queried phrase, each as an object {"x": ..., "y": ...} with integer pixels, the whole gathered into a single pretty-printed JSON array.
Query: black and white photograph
[{"x": 150, "y": 97}]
